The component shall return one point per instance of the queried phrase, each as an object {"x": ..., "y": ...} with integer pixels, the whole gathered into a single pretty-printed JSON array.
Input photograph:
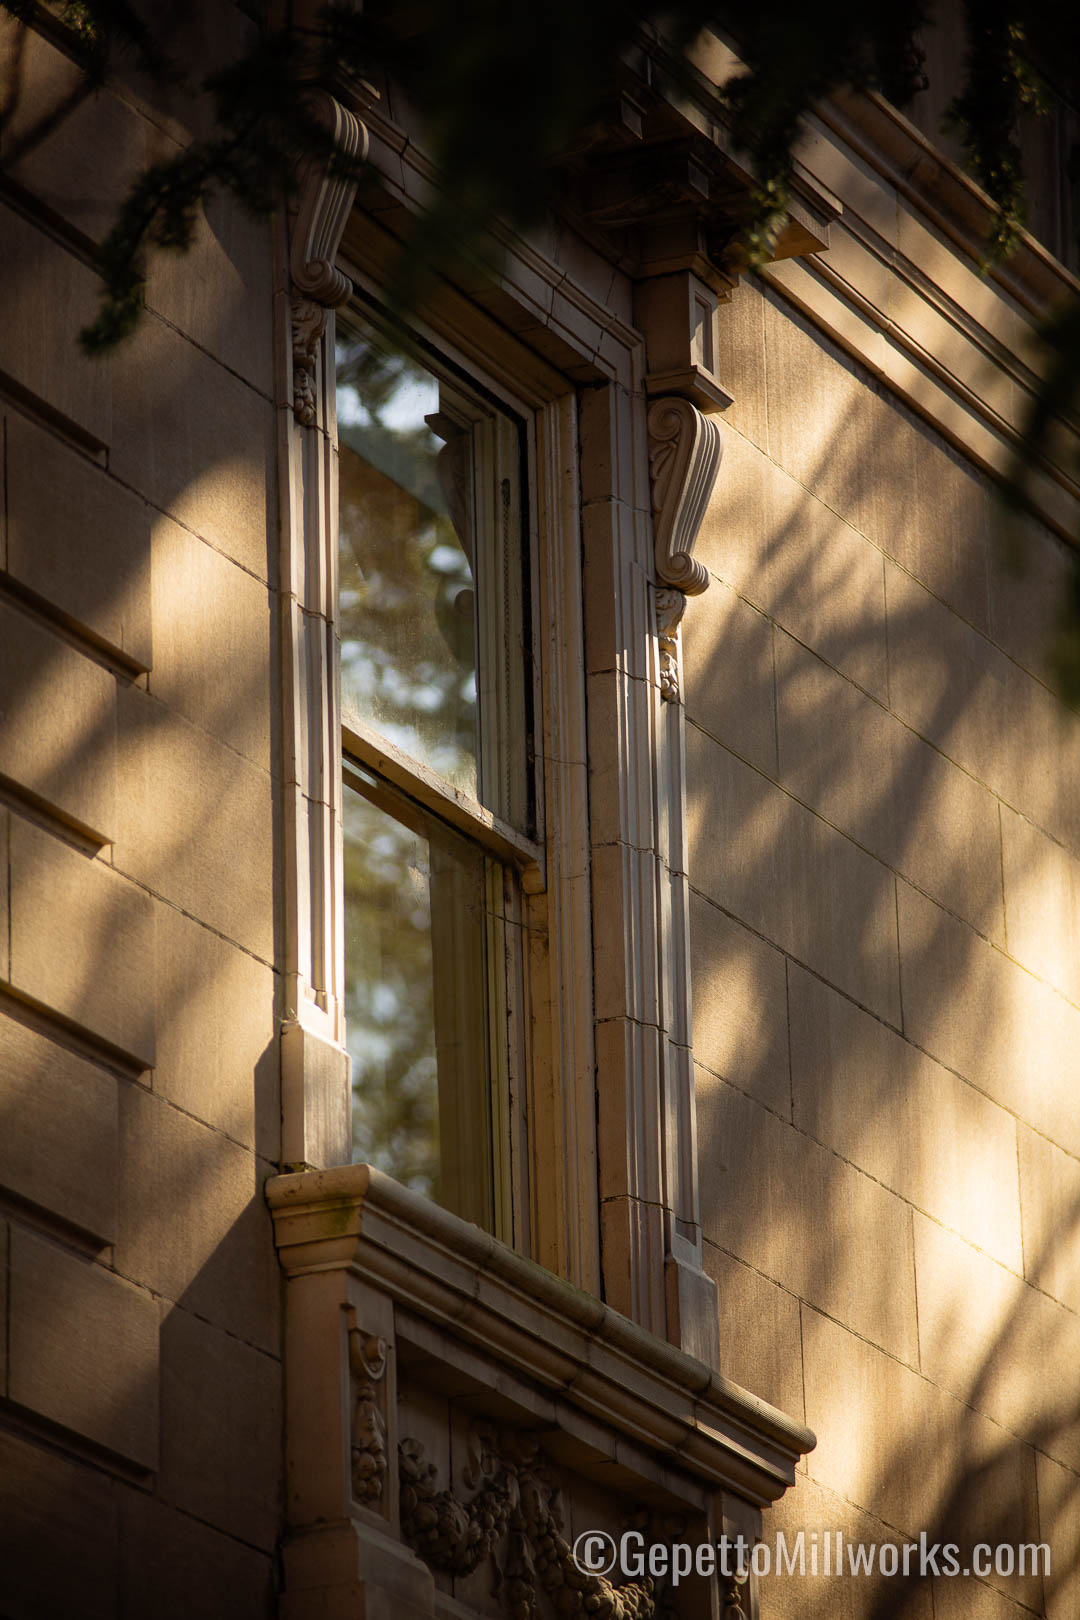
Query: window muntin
[{"x": 434, "y": 632}]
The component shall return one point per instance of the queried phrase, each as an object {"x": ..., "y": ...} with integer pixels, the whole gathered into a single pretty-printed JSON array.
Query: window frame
[
  {"x": 512, "y": 858},
  {"x": 611, "y": 1015},
  {"x": 552, "y": 1162}
]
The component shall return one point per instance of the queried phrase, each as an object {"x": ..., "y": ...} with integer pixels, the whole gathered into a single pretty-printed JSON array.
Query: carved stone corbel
[
  {"x": 685, "y": 448},
  {"x": 327, "y": 188}
]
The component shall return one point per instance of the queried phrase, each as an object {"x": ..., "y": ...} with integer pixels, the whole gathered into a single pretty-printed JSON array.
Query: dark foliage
[{"x": 505, "y": 85}]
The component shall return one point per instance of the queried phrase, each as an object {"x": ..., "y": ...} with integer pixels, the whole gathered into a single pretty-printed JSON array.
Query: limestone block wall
[
  {"x": 140, "y": 1436},
  {"x": 884, "y": 832}
]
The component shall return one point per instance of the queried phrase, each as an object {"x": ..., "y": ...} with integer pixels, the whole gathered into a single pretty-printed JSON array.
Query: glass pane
[
  {"x": 432, "y": 590},
  {"x": 417, "y": 936}
]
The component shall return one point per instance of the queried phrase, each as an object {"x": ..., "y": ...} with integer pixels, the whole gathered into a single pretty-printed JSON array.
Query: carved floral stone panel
[
  {"x": 511, "y": 1517},
  {"x": 367, "y": 1365}
]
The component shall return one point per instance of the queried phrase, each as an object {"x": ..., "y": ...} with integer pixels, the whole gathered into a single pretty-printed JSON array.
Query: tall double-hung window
[{"x": 439, "y": 803}]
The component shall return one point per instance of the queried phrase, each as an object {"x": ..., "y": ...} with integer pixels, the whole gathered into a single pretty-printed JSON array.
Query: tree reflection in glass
[
  {"x": 417, "y": 933},
  {"x": 434, "y": 659},
  {"x": 391, "y": 1034},
  {"x": 407, "y": 598}
]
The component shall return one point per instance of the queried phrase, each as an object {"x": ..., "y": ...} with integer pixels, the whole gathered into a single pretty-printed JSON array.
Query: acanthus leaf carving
[
  {"x": 327, "y": 187},
  {"x": 732, "y": 1593},
  {"x": 308, "y": 326},
  {"x": 367, "y": 1364},
  {"x": 684, "y": 458},
  {"x": 515, "y": 1519},
  {"x": 669, "y": 606}
]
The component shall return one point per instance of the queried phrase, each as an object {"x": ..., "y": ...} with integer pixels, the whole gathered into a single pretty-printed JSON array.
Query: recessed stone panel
[
  {"x": 913, "y": 1455},
  {"x": 57, "y": 723},
  {"x": 876, "y": 780},
  {"x": 196, "y": 442},
  {"x": 60, "y": 1148},
  {"x": 212, "y": 637},
  {"x": 40, "y": 1573},
  {"x": 793, "y": 556},
  {"x": 79, "y": 539},
  {"x": 217, "y": 1045},
  {"x": 193, "y": 1224},
  {"x": 997, "y": 1343},
  {"x": 791, "y": 877},
  {"x": 740, "y": 1006},
  {"x": 768, "y": 1196},
  {"x": 1050, "y": 1197},
  {"x": 56, "y": 295},
  {"x": 728, "y": 674},
  {"x": 83, "y": 1348},
  {"x": 195, "y": 822},
  {"x": 82, "y": 940},
  {"x": 976, "y": 1011},
  {"x": 910, "y": 1123},
  {"x": 175, "y": 1566},
  {"x": 220, "y": 1430}
]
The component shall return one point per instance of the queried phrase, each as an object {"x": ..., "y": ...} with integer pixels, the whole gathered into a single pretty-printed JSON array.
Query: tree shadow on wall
[
  {"x": 155, "y": 506},
  {"x": 885, "y": 913}
]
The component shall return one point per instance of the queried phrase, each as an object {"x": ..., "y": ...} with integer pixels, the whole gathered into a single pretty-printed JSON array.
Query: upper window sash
[{"x": 433, "y": 604}]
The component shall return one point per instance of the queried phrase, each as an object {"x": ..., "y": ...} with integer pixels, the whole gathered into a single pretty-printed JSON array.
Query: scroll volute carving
[
  {"x": 685, "y": 448},
  {"x": 326, "y": 192},
  {"x": 684, "y": 458}
]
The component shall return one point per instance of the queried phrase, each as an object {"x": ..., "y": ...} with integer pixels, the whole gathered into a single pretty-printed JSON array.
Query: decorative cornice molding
[
  {"x": 327, "y": 190},
  {"x": 938, "y": 188},
  {"x": 555, "y": 1335},
  {"x": 685, "y": 448}
]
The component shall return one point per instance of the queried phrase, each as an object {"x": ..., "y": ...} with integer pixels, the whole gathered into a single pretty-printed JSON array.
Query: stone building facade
[{"x": 765, "y": 1214}]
